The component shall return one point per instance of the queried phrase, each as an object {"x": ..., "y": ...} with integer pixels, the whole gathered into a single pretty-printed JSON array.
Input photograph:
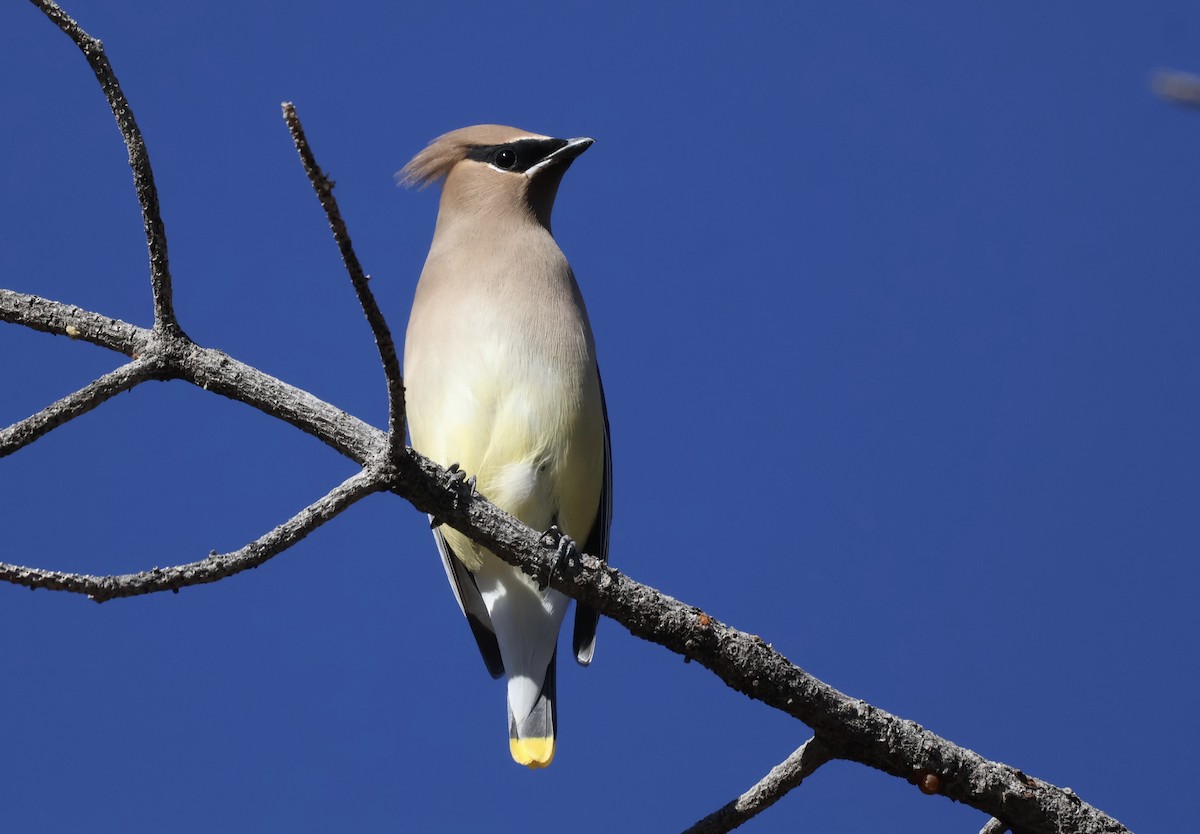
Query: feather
[
  {"x": 449, "y": 149},
  {"x": 466, "y": 592},
  {"x": 587, "y": 619}
]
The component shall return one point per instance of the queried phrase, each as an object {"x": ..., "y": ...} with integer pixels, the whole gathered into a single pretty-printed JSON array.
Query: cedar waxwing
[{"x": 501, "y": 379}]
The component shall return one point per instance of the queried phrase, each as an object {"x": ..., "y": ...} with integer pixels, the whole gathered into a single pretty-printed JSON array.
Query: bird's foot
[
  {"x": 567, "y": 558},
  {"x": 463, "y": 487}
]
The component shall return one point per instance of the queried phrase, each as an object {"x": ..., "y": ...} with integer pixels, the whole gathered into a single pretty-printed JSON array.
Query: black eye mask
[{"x": 518, "y": 156}]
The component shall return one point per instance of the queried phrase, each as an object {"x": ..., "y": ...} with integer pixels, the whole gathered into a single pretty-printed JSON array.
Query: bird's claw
[
  {"x": 457, "y": 480},
  {"x": 567, "y": 559},
  {"x": 454, "y": 475},
  {"x": 462, "y": 486}
]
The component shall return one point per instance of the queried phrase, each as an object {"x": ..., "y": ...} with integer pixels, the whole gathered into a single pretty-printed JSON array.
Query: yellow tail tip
[{"x": 534, "y": 753}]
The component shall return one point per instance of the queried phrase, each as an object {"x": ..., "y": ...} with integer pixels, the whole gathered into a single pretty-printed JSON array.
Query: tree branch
[
  {"x": 71, "y": 406},
  {"x": 139, "y": 161},
  {"x": 785, "y": 776},
  {"x": 852, "y": 729},
  {"x": 215, "y": 566},
  {"x": 61, "y": 319},
  {"x": 323, "y": 186},
  {"x": 210, "y": 369}
]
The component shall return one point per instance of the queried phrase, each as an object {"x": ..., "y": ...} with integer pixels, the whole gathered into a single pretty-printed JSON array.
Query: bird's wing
[
  {"x": 472, "y": 606},
  {"x": 586, "y": 619}
]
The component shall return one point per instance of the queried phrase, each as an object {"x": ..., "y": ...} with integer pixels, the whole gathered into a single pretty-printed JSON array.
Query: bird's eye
[{"x": 505, "y": 159}]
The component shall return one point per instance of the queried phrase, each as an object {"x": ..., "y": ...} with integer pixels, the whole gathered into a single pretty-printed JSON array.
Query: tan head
[{"x": 495, "y": 170}]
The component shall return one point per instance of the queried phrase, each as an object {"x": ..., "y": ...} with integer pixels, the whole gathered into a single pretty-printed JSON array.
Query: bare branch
[
  {"x": 61, "y": 319},
  {"x": 323, "y": 186},
  {"x": 216, "y": 566},
  {"x": 785, "y": 776},
  {"x": 216, "y": 371},
  {"x": 993, "y": 826},
  {"x": 1179, "y": 87},
  {"x": 139, "y": 161},
  {"x": 71, "y": 406},
  {"x": 210, "y": 369},
  {"x": 852, "y": 729}
]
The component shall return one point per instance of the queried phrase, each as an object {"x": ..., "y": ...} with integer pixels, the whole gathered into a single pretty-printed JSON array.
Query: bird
[{"x": 502, "y": 386}]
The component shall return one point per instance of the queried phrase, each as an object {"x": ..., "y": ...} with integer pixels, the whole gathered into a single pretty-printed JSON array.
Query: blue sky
[{"x": 897, "y": 311}]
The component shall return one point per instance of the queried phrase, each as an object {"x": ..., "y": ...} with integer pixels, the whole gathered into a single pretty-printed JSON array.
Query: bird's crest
[{"x": 446, "y": 151}]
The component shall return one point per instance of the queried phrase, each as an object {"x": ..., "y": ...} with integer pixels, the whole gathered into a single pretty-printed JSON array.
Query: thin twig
[
  {"x": 323, "y": 186},
  {"x": 785, "y": 776},
  {"x": 139, "y": 162},
  {"x": 216, "y": 566},
  {"x": 1179, "y": 87},
  {"x": 21, "y": 434}
]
